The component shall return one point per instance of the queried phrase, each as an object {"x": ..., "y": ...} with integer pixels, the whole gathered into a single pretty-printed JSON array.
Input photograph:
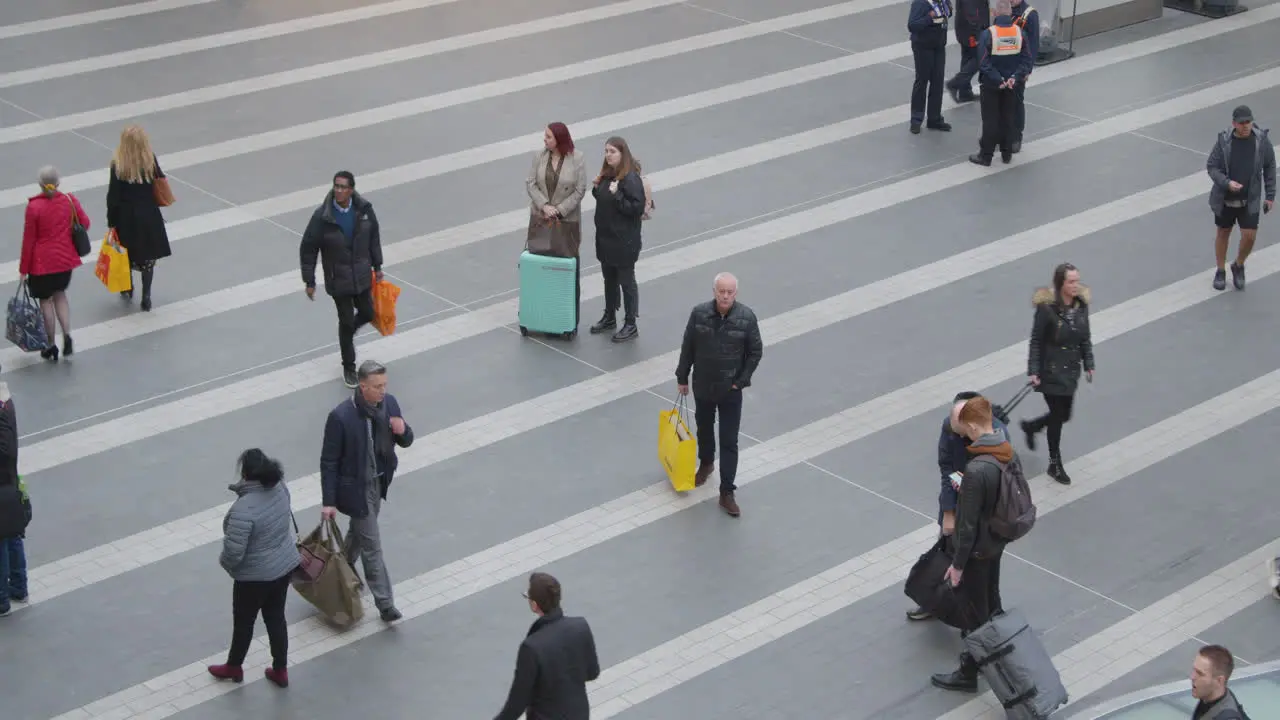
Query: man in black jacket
[
  {"x": 15, "y": 510},
  {"x": 344, "y": 232},
  {"x": 975, "y": 565},
  {"x": 722, "y": 347},
  {"x": 927, "y": 23},
  {"x": 972, "y": 17},
  {"x": 556, "y": 661}
]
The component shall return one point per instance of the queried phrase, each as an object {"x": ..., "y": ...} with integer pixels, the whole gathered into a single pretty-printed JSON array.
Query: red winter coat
[{"x": 47, "y": 247}]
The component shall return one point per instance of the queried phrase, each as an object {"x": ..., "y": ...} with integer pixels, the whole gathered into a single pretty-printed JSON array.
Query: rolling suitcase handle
[{"x": 1001, "y": 412}]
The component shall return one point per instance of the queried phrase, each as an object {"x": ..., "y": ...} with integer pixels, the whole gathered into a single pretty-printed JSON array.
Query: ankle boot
[
  {"x": 227, "y": 672},
  {"x": 1057, "y": 471},
  {"x": 607, "y": 322},
  {"x": 1029, "y": 434},
  {"x": 627, "y": 331},
  {"x": 279, "y": 677},
  {"x": 963, "y": 678}
]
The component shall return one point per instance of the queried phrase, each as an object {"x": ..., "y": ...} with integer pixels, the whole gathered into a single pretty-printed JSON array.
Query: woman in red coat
[{"x": 49, "y": 255}]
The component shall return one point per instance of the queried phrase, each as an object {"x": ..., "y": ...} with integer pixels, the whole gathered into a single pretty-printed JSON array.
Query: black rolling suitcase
[
  {"x": 1017, "y": 667},
  {"x": 1001, "y": 412}
]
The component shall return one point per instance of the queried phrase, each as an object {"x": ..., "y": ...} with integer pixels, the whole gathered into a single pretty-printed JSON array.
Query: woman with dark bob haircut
[{"x": 260, "y": 553}]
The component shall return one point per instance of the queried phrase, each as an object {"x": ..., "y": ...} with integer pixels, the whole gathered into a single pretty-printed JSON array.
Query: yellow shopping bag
[
  {"x": 677, "y": 448},
  {"x": 113, "y": 266}
]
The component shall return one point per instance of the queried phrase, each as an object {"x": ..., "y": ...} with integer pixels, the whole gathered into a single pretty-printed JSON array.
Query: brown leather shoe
[
  {"x": 729, "y": 505},
  {"x": 704, "y": 472}
]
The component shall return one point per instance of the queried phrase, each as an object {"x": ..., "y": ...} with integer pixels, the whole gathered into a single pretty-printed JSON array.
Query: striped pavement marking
[
  {"x": 258, "y": 389},
  {"x": 65, "y": 22},
  {"x": 190, "y": 685},
  {"x": 720, "y": 641},
  {"x": 1097, "y": 661},
  {"x": 120, "y": 556},
  {"x": 347, "y": 122},
  {"x": 175, "y": 48}
]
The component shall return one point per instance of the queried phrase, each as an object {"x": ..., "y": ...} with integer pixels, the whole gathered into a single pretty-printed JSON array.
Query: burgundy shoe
[
  {"x": 279, "y": 677},
  {"x": 227, "y": 672},
  {"x": 704, "y": 472}
]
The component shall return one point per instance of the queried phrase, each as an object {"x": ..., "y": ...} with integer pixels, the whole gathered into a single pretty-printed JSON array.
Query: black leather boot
[
  {"x": 962, "y": 679},
  {"x": 607, "y": 322},
  {"x": 1057, "y": 471}
]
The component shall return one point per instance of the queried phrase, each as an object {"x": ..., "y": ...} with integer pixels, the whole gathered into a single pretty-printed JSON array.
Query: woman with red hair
[{"x": 556, "y": 184}]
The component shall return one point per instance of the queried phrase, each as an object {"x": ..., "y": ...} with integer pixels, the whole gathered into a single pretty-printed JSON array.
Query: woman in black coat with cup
[{"x": 620, "y": 206}]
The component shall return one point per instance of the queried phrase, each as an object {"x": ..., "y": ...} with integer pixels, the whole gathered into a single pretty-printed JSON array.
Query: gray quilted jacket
[{"x": 259, "y": 543}]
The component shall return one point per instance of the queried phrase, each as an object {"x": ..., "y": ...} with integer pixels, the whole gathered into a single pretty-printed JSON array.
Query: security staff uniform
[
  {"x": 971, "y": 17},
  {"x": 1003, "y": 60},
  {"x": 927, "y": 23},
  {"x": 1027, "y": 18}
]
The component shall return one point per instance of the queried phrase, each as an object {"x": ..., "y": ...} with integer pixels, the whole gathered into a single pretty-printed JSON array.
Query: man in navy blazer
[{"x": 357, "y": 463}]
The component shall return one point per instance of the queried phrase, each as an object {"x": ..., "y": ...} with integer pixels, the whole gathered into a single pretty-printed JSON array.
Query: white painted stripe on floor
[
  {"x": 1097, "y": 661},
  {"x": 461, "y": 96},
  {"x": 251, "y": 391},
  {"x": 94, "y": 565},
  {"x": 710, "y": 646},
  {"x": 210, "y": 42},
  {"x": 63, "y": 22},
  {"x": 190, "y": 685},
  {"x": 284, "y": 283},
  {"x": 333, "y": 68}
]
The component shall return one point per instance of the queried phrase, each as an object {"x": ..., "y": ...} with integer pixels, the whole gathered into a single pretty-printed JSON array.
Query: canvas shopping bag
[
  {"x": 554, "y": 237},
  {"x": 677, "y": 447},
  {"x": 385, "y": 294},
  {"x": 325, "y": 578},
  {"x": 24, "y": 324},
  {"x": 113, "y": 266}
]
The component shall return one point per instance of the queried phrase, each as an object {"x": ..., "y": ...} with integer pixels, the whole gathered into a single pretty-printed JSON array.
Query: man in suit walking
[{"x": 557, "y": 659}]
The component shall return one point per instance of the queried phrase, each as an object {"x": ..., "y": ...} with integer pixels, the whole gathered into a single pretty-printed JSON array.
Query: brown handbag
[
  {"x": 554, "y": 237},
  {"x": 161, "y": 191}
]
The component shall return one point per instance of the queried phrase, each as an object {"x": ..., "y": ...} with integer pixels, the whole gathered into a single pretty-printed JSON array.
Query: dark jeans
[
  {"x": 963, "y": 80},
  {"x": 729, "y": 408},
  {"x": 248, "y": 599},
  {"x": 13, "y": 571},
  {"x": 997, "y": 120},
  {"x": 926, "y": 91},
  {"x": 354, "y": 312},
  {"x": 1059, "y": 414},
  {"x": 1020, "y": 110},
  {"x": 621, "y": 277}
]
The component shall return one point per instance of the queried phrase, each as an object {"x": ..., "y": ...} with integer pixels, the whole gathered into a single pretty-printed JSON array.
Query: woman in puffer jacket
[{"x": 260, "y": 553}]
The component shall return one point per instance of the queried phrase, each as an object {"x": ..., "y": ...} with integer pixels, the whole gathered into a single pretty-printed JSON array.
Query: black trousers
[
  {"x": 980, "y": 586},
  {"x": 729, "y": 408},
  {"x": 1059, "y": 414},
  {"x": 997, "y": 120},
  {"x": 248, "y": 600},
  {"x": 621, "y": 278},
  {"x": 968, "y": 68},
  {"x": 926, "y": 91},
  {"x": 354, "y": 312},
  {"x": 1020, "y": 110}
]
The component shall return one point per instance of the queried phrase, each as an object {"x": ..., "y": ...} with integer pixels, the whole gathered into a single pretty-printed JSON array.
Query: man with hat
[{"x": 1242, "y": 166}]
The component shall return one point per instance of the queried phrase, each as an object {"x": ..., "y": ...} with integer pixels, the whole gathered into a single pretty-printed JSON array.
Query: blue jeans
[{"x": 13, "y": 571}]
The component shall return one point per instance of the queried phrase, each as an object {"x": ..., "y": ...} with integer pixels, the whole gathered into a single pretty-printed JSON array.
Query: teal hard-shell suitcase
[{"x": 548, "y": 295}]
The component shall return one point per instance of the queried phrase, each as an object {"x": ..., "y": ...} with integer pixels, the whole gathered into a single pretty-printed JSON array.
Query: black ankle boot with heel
[{"x": 1057, "y": 471}]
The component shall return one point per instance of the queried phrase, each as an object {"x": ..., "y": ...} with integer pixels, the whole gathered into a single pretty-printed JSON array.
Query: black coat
[
  {"x": 1060, "y": 342},
  {"x": 344, "y": 457},
  {"x": 15, "y": 510},
  {"x": 722, "y": 351},
  {"x": 348, "y": 264},
  {"x": 618, "y": 220},
  {"x": 555, "y": 662},
  {"x": 133, "y": 213}
]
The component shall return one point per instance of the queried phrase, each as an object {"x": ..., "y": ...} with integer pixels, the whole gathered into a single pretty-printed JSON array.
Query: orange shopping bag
[{"x": 385, "y": 294}]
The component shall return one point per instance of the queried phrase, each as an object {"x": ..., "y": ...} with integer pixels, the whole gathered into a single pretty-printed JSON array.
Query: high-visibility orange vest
[
  {"x": 1021, "y": 20},
  {"x": 1006, "y": 40}
]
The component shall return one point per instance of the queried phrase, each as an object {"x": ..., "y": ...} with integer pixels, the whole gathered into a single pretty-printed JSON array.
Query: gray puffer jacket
[
  {"x": 1264, "y": 165},
  {"x": 259, "y": 543}
]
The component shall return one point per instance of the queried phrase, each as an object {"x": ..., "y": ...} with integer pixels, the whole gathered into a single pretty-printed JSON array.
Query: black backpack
[{"x": 1014, "y": 514}]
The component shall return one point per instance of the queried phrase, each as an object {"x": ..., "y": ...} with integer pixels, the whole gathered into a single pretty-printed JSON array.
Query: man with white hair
[
  {"x": 722, "y": 347},
  {"x": 1004, "y": 61}
]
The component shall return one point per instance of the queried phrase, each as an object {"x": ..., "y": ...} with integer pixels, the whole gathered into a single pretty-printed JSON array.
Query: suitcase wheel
[
  {"x": 524, "y": 331},
  {"x": 571, "y": 334}
]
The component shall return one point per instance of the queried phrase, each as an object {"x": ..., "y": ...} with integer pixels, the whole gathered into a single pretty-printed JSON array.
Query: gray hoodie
[
  {"x": 259, "y": 543},
  {"x": 1264, "y": 167}
]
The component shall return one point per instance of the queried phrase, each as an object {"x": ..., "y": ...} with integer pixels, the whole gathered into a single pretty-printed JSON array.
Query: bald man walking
[{"x": 722, "y": 347}]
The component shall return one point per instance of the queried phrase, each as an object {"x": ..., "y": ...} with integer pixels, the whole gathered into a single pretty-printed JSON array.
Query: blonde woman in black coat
[
  {"x": 132, "y": 210},
  {"x": 1060, "y": 345},
  {"x": 620, "y": 207}
]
